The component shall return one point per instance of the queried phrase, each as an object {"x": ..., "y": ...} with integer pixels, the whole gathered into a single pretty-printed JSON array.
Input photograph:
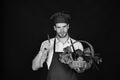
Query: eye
[
  {"x": 64, "y": 26},
  {"x": 57, "y": 27}
]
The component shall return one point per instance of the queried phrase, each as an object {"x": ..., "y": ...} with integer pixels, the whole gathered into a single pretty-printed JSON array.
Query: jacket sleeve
[
  {"x": 78, "y": 45},
  {"x": 41, "y": 56}
]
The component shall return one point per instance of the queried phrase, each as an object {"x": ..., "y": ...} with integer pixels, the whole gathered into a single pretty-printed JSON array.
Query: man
[{"x": 50, "y": 50}]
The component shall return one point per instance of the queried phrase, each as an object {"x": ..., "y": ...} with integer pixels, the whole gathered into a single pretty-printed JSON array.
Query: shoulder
[
  {"x": 77, "y": 44},
  {"x": 47, "y": 41},
  {"x": 75, "y": 41}
]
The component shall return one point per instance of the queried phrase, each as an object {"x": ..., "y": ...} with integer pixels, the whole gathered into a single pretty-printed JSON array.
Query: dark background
[{"x": 26, "y": 24}]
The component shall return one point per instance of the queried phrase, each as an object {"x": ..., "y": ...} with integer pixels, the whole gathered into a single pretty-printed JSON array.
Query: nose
[{"x": 62, "y": 29}]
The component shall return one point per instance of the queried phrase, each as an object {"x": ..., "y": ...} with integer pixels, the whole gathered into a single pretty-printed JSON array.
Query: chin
[{"x": 62, "y": 36}]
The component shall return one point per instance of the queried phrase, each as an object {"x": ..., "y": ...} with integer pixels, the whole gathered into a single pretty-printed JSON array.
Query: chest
[{"x": 60, "y": 46}]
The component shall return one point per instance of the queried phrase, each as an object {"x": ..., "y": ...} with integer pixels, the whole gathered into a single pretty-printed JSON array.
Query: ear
[
  {"x": 68, "y": 26},
  {"x": 54, "y": 28}
]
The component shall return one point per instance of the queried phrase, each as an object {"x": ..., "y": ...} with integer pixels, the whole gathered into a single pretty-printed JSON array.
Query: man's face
[{"x": 61, "y": 29}]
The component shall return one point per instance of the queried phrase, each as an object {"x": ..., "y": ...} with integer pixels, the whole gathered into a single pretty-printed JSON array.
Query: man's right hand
[{"x": 36, "y": 65}]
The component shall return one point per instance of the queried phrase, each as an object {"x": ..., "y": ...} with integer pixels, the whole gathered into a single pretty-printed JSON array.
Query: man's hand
[{"x": 36, "y": 65}]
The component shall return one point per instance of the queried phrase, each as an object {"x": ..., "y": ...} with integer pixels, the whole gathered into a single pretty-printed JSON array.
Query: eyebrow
[{"x": 63, "y": 26}]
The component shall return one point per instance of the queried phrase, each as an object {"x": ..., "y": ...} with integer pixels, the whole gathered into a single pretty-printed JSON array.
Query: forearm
[
  {"x": 39, "y": 60},
  {"x": 41, "y": 57},
  {"x": 36, "y": 63}
]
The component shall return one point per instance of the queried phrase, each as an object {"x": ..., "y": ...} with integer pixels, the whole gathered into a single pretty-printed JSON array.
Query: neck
[{"x": 63, "y": 40}]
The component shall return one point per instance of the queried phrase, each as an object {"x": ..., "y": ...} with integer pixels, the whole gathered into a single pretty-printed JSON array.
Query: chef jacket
[{"x": 46, "y": 51}]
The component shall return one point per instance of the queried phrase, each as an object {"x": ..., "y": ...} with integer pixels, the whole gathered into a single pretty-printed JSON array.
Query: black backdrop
[{"x": 26, "y": 24}]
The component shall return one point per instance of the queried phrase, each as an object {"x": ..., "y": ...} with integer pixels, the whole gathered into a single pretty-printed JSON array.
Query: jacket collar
[{"x": 67, "y": 41}]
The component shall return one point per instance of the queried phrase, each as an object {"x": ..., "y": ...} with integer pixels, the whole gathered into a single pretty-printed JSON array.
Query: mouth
[{"x": 63, "y": 34}]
